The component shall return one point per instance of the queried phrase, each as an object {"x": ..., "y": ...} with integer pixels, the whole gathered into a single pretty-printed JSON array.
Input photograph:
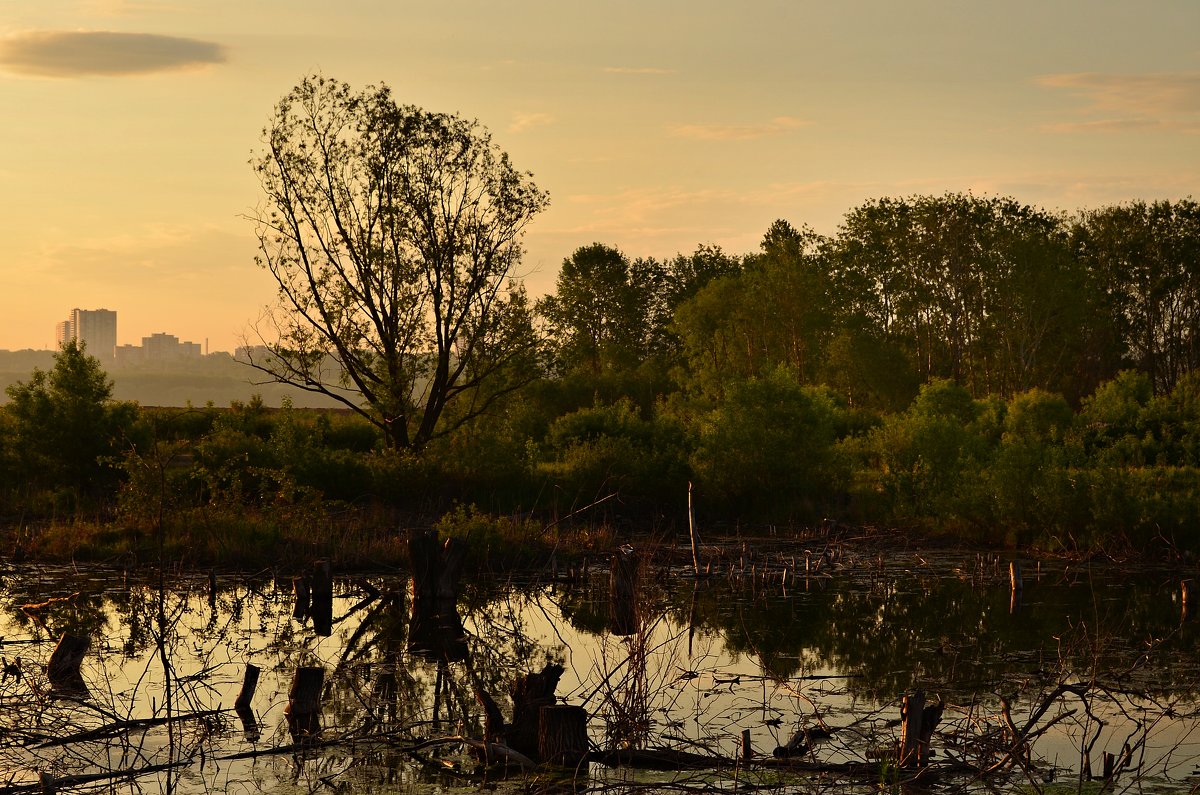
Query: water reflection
[{"x": 756, "y": 648}]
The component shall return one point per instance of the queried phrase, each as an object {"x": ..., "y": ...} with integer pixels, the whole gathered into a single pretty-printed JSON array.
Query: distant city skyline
[
  {"x": 655, "y": 127},
  {"x": 97, "y": 328}
]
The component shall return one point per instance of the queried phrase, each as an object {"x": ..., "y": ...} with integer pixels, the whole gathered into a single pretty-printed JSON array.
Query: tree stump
[
  {"x": 63, "y": 668},
  {"x": 918, "y": 721},
  {"x": 623, "y": 593},
  {"x": 435, "y": 629},
  {"x": 562, "y": 736},
  {"x": 321, "y": 609},
  {"x": 304, "y": 703},
  {"x": 530, "y": 693},
  {"x": 303, "y": 594},
  {"x": 242, "y": 705}
]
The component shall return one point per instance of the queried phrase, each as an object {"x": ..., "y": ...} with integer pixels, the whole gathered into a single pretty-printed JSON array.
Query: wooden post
[
  {"x": 1014, "y": 575},
  {"x": 304, "y": 703},
  {"x": 242, "y": 705},
  {"x": 212, "y": 589},
  {"x": 249, "y": 684},
  {"x": 1185, "y": 597},
  {"x": 692, "y": 533},
  {"x": 747, "y": 747},
  {"x": 562, "y": 736},
  {"x": 435, "y": 629},
  {"x": 910, "y": 730},
  {"x": 1110, "y": 762},
  {"x": 63, "y": 668},
  {"x": 322, "y": 599},
  {"x": 300, "y": 587},
  {"x": 623, "y": 593}
]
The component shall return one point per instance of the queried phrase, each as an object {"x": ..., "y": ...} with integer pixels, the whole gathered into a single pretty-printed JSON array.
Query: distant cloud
[
  {"x": 780, "y": 125},
  {"x": 637, "y": 70},
  {"x": 523, "y": 122},
  {"x": 60, "y": 53},
  {"x": 1117, "y": 103}
]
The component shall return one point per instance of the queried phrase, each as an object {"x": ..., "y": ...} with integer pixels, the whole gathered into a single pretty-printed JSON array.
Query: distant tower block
[{"x": 95, "y": 328}]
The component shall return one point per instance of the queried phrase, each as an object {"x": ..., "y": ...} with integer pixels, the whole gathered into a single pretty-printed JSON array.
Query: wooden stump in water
[
  {"x": 530, "y": 694},
  {"x": 303, "y": 592},
  {"x": 623, "y": 593},
  {"x": 304, "y": 703},
  {"x": 249, "y": 685},
  {"x": 322, "y": 599},
  {"x": 562, "y": 736},
  {"x": 918, "y": 720},
  {"x": 242, "y": 705},
  {"x": 63, "y": 668},
  {"x": 435, "y": 629}
]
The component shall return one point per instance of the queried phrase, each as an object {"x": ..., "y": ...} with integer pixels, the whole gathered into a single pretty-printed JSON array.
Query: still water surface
[{"x": 768, "y": 644}]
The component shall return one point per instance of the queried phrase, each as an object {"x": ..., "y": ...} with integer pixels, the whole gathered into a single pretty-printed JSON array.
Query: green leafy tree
[
  {"x": 392, "y": 233},
  {"x": 981, "y": 291},
  {"x": 1145, "y": 261},
  {"x": 600, "y": 311},
  {"x": 67, "y": 430},
  {"x": 778, "y": 310}
]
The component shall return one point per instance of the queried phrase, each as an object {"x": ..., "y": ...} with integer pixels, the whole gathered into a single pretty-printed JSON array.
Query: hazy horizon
[{"x": 654, "y": 127}]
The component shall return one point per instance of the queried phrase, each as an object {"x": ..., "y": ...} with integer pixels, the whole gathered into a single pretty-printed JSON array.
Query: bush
[
  {"x": 766, "y": 450},
  {"x": 611, "y": 449}
]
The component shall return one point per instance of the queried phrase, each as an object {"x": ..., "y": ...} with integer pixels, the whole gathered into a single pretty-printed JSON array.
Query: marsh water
[{"x": 776, "y": 639}]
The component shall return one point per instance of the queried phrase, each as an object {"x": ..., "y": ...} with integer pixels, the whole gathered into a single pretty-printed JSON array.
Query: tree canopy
[{"x": 392, "y": 233}]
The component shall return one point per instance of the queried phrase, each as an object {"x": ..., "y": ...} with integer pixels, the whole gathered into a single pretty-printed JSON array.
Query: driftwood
[
  {"x": 242, "y": 705},
  {"x": 302, "y": 590},
  {"x": 918, "y": 721},
  {"x": 659, "y": 759},
  {"x": 123, "y": 726}
]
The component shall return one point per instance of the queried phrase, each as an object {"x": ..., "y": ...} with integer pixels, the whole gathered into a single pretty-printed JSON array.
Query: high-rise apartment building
[{"x": 95, "y": 328}]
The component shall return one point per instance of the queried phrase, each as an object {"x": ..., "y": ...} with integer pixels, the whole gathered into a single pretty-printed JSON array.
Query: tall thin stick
[{"x": 692, "y": 531}]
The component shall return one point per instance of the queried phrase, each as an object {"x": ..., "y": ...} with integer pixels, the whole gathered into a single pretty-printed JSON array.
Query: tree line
[
  {"x": 988, "y": 293},
  {"x": 953, "y": 362}
]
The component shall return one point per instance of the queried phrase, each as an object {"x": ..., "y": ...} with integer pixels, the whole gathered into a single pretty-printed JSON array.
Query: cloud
[
  {"x": 60, "y": 53},
  {"x": 523, "y": 122},
  {"x": 1118, "y": 103},
  {"x": 780, "y": 125},
  {"x": 637, "y": 70}
]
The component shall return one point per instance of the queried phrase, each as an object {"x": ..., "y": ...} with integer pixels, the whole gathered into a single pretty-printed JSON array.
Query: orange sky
[{"x": 655, "y": 126}]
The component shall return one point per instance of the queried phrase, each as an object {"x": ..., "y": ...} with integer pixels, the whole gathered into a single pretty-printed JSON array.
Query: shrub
[{"x": 766, "y": 450}]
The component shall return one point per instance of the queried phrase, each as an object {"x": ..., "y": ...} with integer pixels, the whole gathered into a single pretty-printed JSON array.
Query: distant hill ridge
[{"x": 216, "y": 378}]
